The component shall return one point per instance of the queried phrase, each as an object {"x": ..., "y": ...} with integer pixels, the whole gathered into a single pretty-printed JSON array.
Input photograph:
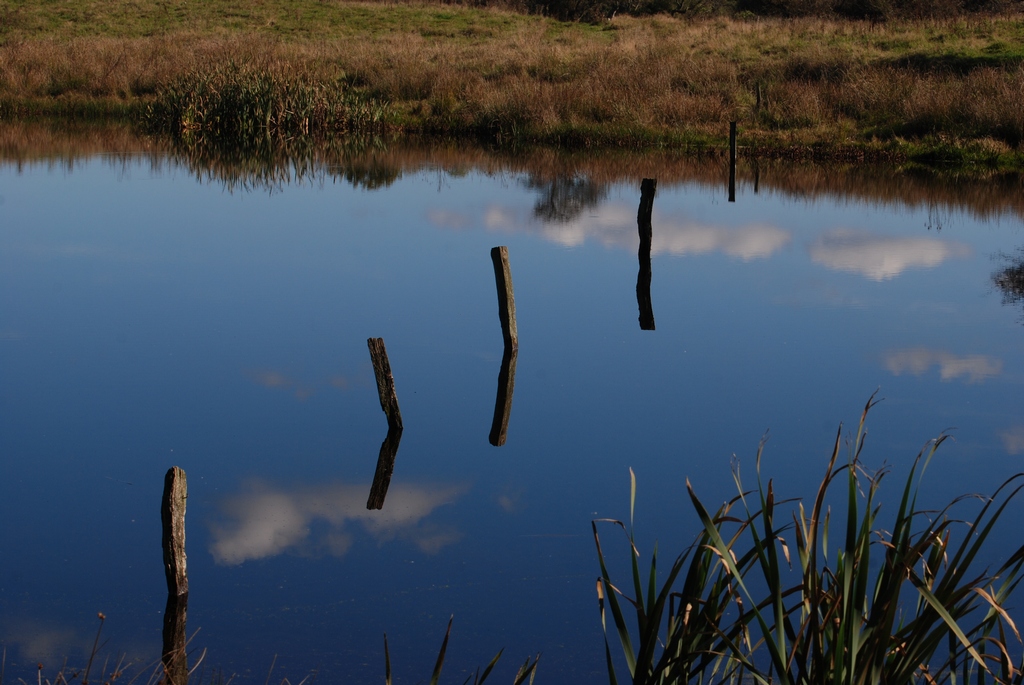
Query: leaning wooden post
[
  {"x": 732, "y": 161},
  {"x": 506, "y": 297},
  {"x": 385, "y": 382},
  {"x": 643, "y": 277},
  {"x": 172, "y": 516}
]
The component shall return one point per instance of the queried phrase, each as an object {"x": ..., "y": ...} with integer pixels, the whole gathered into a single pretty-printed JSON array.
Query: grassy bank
[{"x": 808, "y": 87}]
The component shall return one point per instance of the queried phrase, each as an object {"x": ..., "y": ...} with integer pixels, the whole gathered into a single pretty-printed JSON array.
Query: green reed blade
[{"x": 440, "y": 655}]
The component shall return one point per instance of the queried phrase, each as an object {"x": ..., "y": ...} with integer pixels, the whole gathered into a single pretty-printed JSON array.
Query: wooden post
[
  {"x": 385, "y": 382},
  {"x": 385, "y": 467},
  {"x": 503, "y": 400},
  {"x": 172, "y": 516},
  {"x": 732, "y": 161},
  {"x": 643, "y": 278},
  {"x": 506, "y": 297}
]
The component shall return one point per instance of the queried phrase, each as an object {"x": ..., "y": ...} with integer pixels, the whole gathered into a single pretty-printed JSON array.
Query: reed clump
[
  {"x": 238, "y": 104},
  {"x": 774, "y": 596}
]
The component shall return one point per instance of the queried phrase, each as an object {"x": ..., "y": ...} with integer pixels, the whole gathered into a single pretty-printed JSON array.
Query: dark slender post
[
  {"x": 172, "y": 516},
  {"x": 503, "y": 400},
  {"x": 506, "y": 297},
  {"x": 643, "y": 278},
  {"x": 385, "y": 382},
  {"x": 732, "y": 161},
  {"x": 757, "y": 176},
  {"x": 385, "y": 467}
]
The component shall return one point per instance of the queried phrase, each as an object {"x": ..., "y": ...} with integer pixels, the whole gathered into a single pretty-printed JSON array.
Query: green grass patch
[{"x": 298, "y": 20}]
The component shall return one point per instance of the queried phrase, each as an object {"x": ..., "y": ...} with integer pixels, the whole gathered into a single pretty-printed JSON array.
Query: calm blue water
[{"x": 150, "y": 320}]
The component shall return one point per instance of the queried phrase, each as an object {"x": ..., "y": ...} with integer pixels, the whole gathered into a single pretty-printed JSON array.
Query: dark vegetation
[
  {"x": 774, "y": 591},
  {"x": 1010, "y": 279},
  {"x": 872, "y": 10}
]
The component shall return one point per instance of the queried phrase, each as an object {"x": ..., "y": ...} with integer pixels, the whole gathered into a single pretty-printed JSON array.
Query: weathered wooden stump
[
  {"x": 172, "y": 517},
  {"x": 506, "y": 296},
  {"x": 385, "y": 382},
  {"x": 643, "y": 278}
]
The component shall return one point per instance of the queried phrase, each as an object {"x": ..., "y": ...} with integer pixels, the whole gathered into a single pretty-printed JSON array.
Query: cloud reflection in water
[
  {"x": 881, "y": 258},
  {"x": 1013, "y": 439},
  {"x": 266, "y": 521},
  {"x": 976, "y": 367},
  {"x": 614, "y": 225}
]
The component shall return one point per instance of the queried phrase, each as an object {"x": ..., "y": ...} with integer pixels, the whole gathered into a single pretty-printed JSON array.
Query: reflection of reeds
[
  {"x": 733, "y": 606},
  {"x": 377, "y": 161}
]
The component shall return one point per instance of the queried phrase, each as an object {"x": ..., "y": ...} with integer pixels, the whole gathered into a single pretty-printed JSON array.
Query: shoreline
[{"x": 941, "y": 93}]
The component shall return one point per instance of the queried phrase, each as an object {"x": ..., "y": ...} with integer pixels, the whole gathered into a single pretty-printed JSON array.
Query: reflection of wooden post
[
  {"x": 385, "y": 382},
  {"x": 732, "y": 161},
  {"x": 503, "y": 400},
  {"x": 172, "y": 516},
  {"x": 506, "y": 298},
  {"x": 174, "y": 659},
  {"x": 385, "y": 467},
  {"x": 643, "y": 278}
]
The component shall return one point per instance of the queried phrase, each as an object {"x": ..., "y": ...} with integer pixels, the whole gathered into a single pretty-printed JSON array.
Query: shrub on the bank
[{"x": 233, "y": 103}]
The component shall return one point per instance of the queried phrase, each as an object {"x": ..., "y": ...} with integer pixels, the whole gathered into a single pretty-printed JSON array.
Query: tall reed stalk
[{"x": 897, "y": 603}]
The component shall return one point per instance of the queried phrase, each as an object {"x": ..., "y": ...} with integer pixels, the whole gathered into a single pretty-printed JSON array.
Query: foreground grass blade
[
  {"x": 440, "y": 655},
  {"x": 894, "y": 601}
]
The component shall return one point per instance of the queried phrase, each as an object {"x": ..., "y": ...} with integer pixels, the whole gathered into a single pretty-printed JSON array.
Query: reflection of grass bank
[
  {"x": 371, "y": 162},
  {"x": 938, "y": 89}
]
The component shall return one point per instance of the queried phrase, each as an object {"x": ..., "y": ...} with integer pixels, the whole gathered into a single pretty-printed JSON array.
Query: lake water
[{"x": 157, "y": 312}]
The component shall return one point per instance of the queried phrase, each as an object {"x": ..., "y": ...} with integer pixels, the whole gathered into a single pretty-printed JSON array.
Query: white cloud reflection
[
  {"x": 62, "y": 641},
  {"x": 614, "y": 225},
  {"x": 1013, "y": 439},
  {"x": 881, "y": 258},
  {"x": 916, "y": 361},
  {"x": 446, "y": 218},
  {"x": 266, "y": 521}
]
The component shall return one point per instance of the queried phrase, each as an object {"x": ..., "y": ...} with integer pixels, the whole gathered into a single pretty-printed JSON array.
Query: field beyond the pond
[{"x": 941, "y": 90}]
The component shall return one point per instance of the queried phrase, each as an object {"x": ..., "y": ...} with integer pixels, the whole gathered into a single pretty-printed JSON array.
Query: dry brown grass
[{"x": 655, "y": 79}]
